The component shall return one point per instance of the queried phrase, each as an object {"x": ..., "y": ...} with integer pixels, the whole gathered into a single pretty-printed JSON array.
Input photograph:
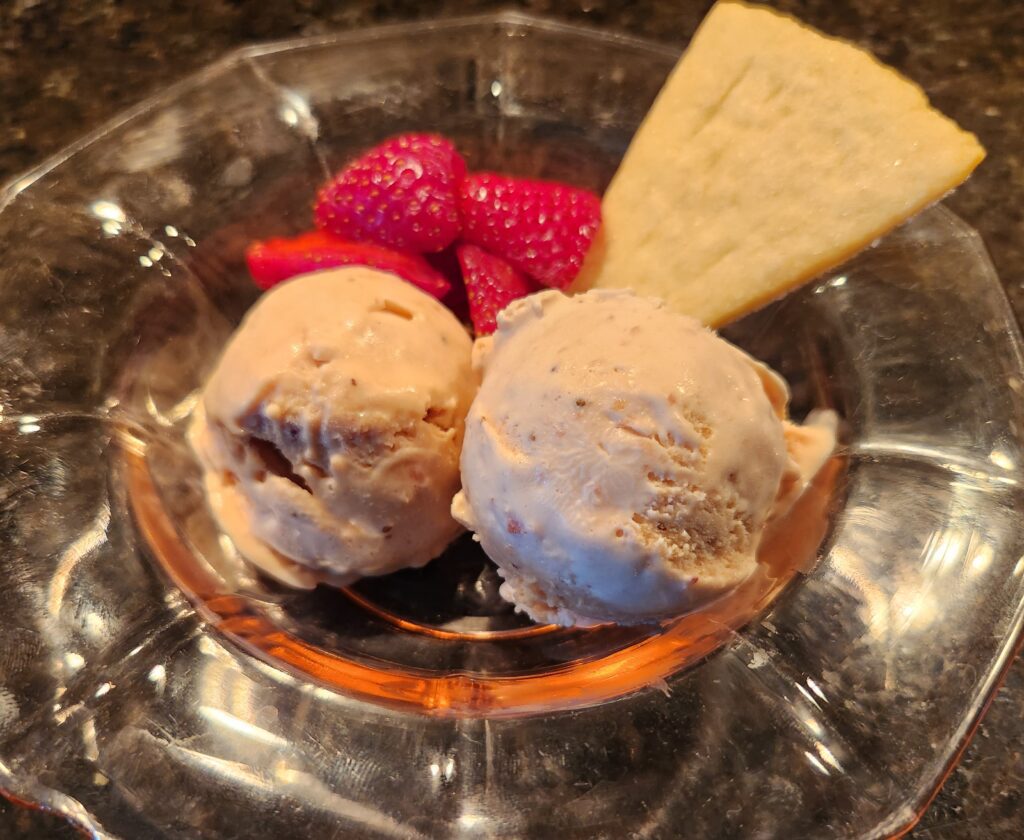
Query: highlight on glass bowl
[{"x": 492, "y": 428}]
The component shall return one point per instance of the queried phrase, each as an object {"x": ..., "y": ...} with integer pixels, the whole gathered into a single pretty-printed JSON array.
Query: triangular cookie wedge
[{"x": 772, "y": 153}]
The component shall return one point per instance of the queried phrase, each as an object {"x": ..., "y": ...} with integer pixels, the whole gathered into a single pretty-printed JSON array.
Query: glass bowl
[{"x": 150, "y": 686}]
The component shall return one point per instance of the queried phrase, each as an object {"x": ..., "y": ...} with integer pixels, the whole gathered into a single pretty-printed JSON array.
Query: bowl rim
[{"x": 12, "y": 187}]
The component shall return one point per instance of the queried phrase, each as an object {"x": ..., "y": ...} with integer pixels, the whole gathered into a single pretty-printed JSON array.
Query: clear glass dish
[{"x": 151, "y": 687}]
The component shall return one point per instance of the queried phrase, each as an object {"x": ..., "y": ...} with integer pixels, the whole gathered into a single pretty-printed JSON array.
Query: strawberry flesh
[
  {"x": 274, "y": 260},
  {"x": 491, "y": 285},
  {"x": 543, "y": 228},
  {"x": 402, "y": 193}
]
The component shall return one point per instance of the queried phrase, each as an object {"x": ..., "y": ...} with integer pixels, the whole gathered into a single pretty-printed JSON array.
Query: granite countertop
[{"x": 65, "y": 67}]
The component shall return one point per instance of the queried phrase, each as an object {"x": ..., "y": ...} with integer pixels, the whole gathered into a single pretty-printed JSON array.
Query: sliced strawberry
[
  {"x": 491, "y": 285},
  {"x": 402, "y": 193},
  {"x": 275, "y": 260},
  {"x": 543, "y": 228}
]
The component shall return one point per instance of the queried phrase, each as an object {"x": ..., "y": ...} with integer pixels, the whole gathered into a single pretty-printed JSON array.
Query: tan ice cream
[
  {"x": 621, "y": 460},
  {"x": 330, "y": 429}
]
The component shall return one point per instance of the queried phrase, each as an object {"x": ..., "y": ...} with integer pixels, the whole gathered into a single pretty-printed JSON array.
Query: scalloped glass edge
[{"x": 903, "y": 821}]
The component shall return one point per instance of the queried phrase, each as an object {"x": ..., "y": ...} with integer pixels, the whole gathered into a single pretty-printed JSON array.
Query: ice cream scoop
[
  {"x": 621, "y": 460},
  {"x": 330, "y": 429}
]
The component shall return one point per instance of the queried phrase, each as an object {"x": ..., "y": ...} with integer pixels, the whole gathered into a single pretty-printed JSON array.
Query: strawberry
[
  {"x": 447, "y": 262},
  {"x": 402, "y": 193},
  {"x": 274, "y": 260},
  {"x": 491, "y": 285},
  {"x": 543, "y": 228}
]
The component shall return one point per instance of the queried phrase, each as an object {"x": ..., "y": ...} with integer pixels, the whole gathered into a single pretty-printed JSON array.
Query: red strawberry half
[
  {"x": 402, "y": 193},
  {"x": 275, "y": 260},
  {"x": 543, "y": 228},
  {"x": 491, "y": 285}
]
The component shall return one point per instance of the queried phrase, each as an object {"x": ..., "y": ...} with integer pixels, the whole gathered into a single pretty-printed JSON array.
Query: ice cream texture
[
  {"x": 621, "y": 460},
  {"x": 330, "y": 429}
]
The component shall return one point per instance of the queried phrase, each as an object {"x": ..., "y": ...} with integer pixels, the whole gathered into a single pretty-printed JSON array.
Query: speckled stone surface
[{"x": 65, "y": 67}]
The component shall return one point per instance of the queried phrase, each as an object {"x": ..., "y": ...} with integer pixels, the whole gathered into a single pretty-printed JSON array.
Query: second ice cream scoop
[{"x": 621, "y": 460}]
